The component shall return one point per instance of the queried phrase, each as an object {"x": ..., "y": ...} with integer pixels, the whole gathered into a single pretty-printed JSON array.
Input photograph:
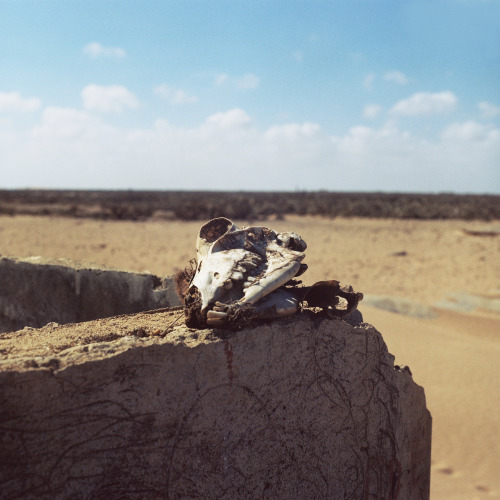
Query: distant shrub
[{"x": 199, "y": 205}]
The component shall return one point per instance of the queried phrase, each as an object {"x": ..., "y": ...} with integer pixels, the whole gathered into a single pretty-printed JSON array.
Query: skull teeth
[
  {"x": 237, "y": 276},
  {"x": 250, "y": 281},
  {"x": 216, "y": 314}
]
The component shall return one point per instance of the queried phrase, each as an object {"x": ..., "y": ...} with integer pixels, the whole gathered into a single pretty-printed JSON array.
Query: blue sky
[{"x": 358, "y": 95}]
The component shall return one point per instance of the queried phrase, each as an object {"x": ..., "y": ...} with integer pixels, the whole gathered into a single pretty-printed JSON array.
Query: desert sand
[{"x": 450, "y": 269}]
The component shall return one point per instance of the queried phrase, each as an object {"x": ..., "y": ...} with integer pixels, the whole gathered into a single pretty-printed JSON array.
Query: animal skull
[
  {"x": 246, "y": 273},
  {"x": 243, "y": 269}
]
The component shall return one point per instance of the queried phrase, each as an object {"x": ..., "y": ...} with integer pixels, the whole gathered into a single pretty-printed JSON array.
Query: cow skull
[
  {"x": 243, "y": 269},
  {"x": 246, "y": 273}
]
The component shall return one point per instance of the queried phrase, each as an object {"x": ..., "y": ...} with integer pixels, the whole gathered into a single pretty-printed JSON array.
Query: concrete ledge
[
  {"x": 34, "y": 292},
  {"x": 292, "y": 409}
]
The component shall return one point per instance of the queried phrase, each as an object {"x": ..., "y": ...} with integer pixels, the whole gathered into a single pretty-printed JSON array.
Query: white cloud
[
  {"x": 389, "y": 158},
  {"x": 174, "y": 96},
  {"x": 425, "y": 103},
  {"x": 368, "y": 81},
  {"x": 248, "y": 81},
  {"x": 77, "y": 148},
  {"x": 67, "y": 123},
  {"x": 13, "y": 101},
  {"x": 488, "y": 110},
  {"x": 234, "y": 118},
  {"x": 360, "y": 143},
  {"x": 298, "y": 56},
  {"x": 112, "y": 98},
  {"x": 396, "y": 77},
  {"x": 96, "y": 50},
  {"x": 294, "y": 154},
  {"x": 371, "y": 111},
  {"x": 470, "y": 131},
  {"x": 292, "y": 131}
]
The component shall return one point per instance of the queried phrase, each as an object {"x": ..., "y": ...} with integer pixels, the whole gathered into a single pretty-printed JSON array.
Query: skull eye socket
[{"x": 215, "y": 228}]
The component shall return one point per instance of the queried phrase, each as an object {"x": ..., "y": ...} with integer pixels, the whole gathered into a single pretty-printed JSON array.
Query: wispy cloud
[
  {"x": 96, "y": 50},
  {"x": 174, "y": 96},
  {"x": 245, "y": 82},
  {"x": 13, "y": 101},
  {"x": 368, "y": 81},
  {"x": 221, "y": 79},
  {"x": 298, "y": 55},
  {"x": 425, "y": 103},
  {"x": 488, "y": 110},
  {"x": 371, "y": 111},
  {"x": 248, "y": 81},
  {"x": 396, "y": 77},
  {"x": 108, "y": 99}
]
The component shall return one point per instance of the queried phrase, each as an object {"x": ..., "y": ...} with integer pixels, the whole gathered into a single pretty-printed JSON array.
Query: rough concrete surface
[
  {"x": 34, "y": 292},
  {"x": 297, "y": 408}
]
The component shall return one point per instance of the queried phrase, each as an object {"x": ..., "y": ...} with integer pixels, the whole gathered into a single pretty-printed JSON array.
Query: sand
[{"x": 453, "y": 355}]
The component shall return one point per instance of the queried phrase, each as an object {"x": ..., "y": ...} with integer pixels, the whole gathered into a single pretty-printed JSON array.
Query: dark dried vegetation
[{"x": 206, "y": 205}]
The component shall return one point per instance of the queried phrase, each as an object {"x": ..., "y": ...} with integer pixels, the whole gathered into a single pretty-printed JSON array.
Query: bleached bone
[
  {"x": 245, "y": 274},
  {"x": 238, "y": 268}
]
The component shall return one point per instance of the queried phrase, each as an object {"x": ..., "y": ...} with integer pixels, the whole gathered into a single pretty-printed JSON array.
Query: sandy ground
[{"x": 454, "y": 355}]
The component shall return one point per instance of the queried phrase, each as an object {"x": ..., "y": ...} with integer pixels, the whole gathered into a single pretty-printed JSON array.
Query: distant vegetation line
[{"x": 204, "y": 205}]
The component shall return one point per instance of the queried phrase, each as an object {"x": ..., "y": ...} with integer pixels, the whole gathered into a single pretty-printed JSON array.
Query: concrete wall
[
  {"x": 34, "y": 292},
  {"x": 296, "y": 408}
]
